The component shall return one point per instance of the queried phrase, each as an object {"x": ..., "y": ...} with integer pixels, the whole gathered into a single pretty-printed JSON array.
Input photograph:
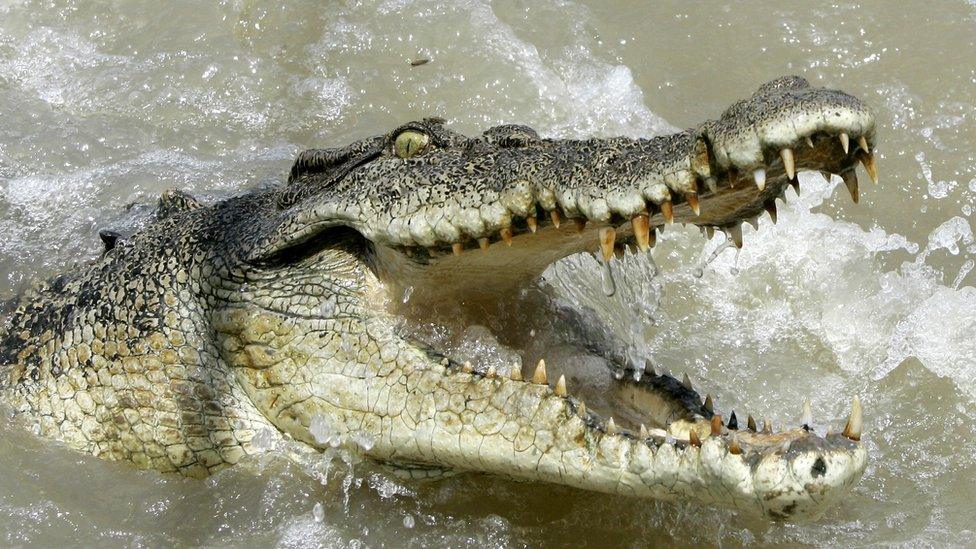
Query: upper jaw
[
  {"x": 474, "y": 193},
  {"x": 720, "y": 174}
]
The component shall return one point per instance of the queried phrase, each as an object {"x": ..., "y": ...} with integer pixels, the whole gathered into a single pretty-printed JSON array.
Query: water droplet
[
  {"x": 364, "y": 440},
  {"x": 963, "y": 271},
  {"x": 318, "y": 512},
  {"x": 608, "y": 285},
  {"x": 327, "y": 307}
]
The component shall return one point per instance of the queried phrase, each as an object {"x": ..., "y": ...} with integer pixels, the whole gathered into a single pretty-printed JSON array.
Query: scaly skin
[{"x": 270, "y": 309}]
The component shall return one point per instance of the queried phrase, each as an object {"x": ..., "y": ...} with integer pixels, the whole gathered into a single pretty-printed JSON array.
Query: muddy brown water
[{"x": 106, "y": 104}]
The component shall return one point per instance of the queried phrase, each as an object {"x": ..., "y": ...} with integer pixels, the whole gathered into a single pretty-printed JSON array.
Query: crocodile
[{"x": 278, "y": 310}]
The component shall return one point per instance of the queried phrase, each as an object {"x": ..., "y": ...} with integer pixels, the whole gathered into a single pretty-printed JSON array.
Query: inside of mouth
[{"x": 479, "y": 303}]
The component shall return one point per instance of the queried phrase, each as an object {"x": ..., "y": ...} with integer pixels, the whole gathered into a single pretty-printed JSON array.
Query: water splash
[
  {"x": 950, "y": 236},
  {"x": 709, "y": 257},
  {"x": 580, "y": 281}
]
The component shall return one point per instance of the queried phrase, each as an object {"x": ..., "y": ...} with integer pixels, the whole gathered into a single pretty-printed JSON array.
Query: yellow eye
[{"x": 410, "y": 143}]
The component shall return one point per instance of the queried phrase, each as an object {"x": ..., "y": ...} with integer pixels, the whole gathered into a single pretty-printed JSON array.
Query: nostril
[{"x": 819, "y": 468}]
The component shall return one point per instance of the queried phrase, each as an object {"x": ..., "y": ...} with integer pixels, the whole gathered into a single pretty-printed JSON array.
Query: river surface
[{"x": 103, "y": 105}]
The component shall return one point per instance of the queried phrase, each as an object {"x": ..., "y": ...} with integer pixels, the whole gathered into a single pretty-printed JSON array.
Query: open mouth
[
  {"x": 483, "y": 281},
  {"x": 456, "y": 230}
]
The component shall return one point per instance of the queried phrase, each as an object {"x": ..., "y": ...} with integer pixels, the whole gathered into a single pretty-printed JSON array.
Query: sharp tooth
[
  {"x": 507, "y": 235},
  {"x": 751, "y": 424},
  {"x": 483, "y": 243},
  {"x": 652, "y": 241},
  {"x": 735, "y": 233},
  {"x": 516, "y": 374},
  {"x": 532, "y": 223},
  {"x": 580, "y": 223},
  {"x": 711, "y": 184},
  {"x": 611, "y": 426},
  {"x": 709, "y": 231},
  {"x": 850, "y": 179},
  {"x": 734, "y": 447},
  {"x": 643, "y": 432},
  {"x": 767, "y": 427},
  {"x": 716, "y": 425},
  {"x": 845, "y": 142},
  {"x": 863, "y": 143},
  {"x": 868, "y": 160},
  {"x": 492, "y": 372},
  {"x": 709, "y": 405},
  {"x": 760, "y": 177},
  {"x": 789, "y": 164},
  {"x": 807, "y": 419},
  {"x": 642, "y": 230},
  {"x": 770, "y": 207},
  {"x": 554, "y": 215},
  {"x": 693, "y": 438},
  {"x": 457, "y": 248},
  {"x": 686, "y": 381},
  {"x": 607, "y": 238},
  {"x": 539, "y": 376},
  {"x": 467, "y": 367},
  {"x": 854, "y": 422},
  {"x": 649, "y": 367},
  {"x": 667, "y": 210},
  {"x": 693, "y": 203},
  {"x": 733, "y": 421},
  {"x": 561, "y": 386},
  {"x": 733, "y": 176},
  {"x": 809, "y": 141}
]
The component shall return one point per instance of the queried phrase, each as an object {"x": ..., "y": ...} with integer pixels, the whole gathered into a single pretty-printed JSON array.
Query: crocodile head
[
  {"x": 460, "y": 223},
  {"x": 284, "y": 308}
]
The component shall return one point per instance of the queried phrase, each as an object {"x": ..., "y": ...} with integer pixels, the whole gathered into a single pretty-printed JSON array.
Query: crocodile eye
[{"x": 410, "y": 143}]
